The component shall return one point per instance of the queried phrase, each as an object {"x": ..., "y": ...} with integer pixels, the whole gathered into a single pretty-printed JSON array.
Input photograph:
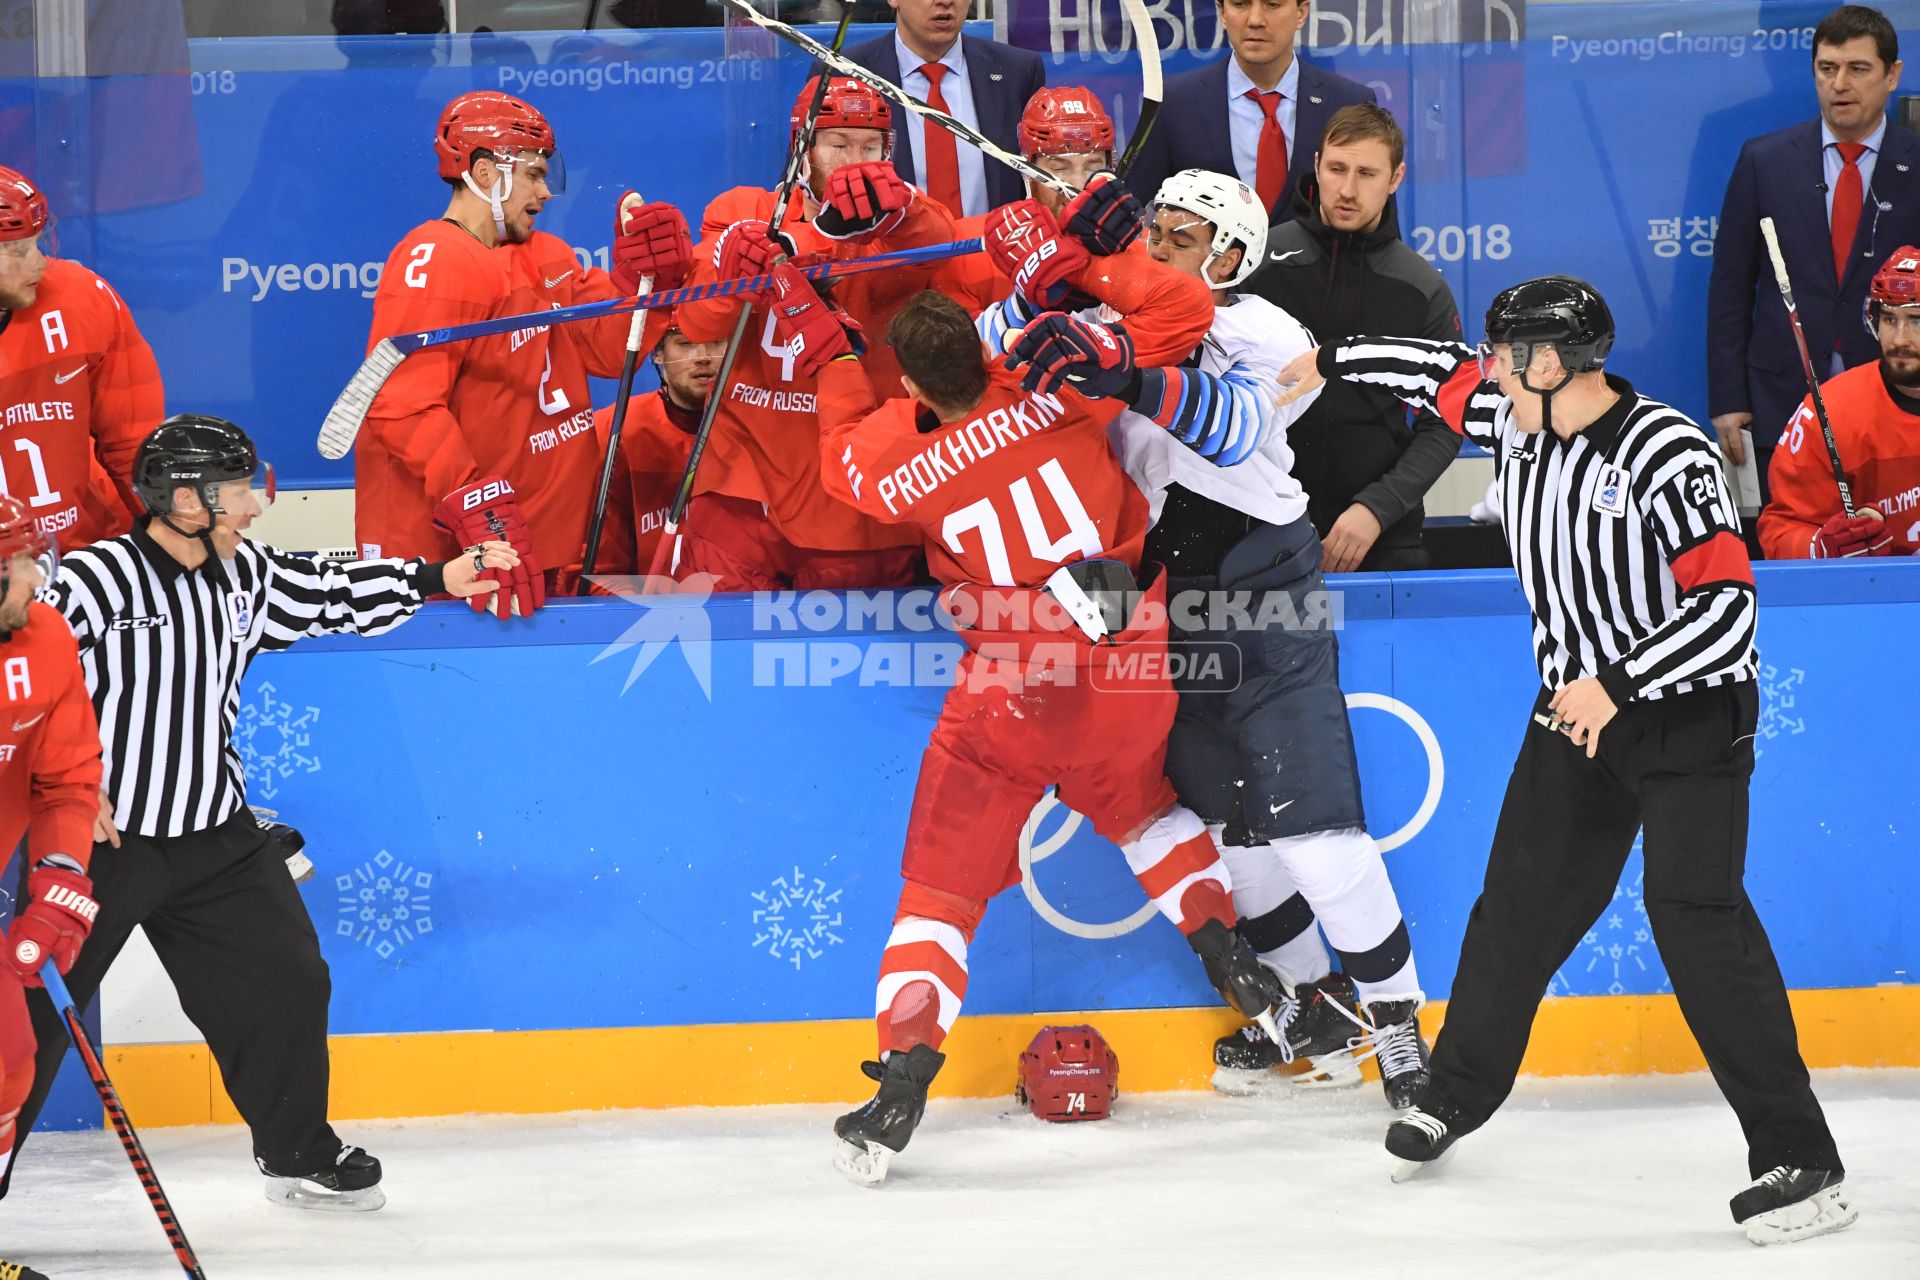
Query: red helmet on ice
[
  {"x": 848, "y": 105},
  {"x": 23, "y": 210},
  {"x": 497, "y": 123},
  {"x": 1068, "y": 1073},
  {"x": 1064, "y": 122}
]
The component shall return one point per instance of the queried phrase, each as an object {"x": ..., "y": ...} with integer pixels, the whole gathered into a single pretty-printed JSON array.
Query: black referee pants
[
  {"x": 1680, "y": 767},
  {"x": 228, "y": 925}
]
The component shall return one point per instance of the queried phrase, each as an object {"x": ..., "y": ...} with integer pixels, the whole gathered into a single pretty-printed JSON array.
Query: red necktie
[
  {"x": 1847, "y": 199},
  {"x": 1270, "y": 178},
  {"x": 942, "y": 170}
]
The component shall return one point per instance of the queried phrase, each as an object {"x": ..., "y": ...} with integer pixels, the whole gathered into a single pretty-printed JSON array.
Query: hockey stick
[
  {"x": 1806, "y": 362},
  {"x": 596, "y": 524},
  {"x": 1150, "y": 79},
  {"x": 661, "y": 566},
  {"x": 142, "y": 1168},
  {"x": 841, "y": 66},
  {"x": 343, "y": 421}
]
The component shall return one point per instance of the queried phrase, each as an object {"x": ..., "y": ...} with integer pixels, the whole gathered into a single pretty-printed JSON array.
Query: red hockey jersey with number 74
[{"x": 1025, "y": 484}]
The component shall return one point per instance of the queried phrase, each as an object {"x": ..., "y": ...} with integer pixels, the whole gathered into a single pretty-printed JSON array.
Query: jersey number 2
[
  {"x": 416, "y": 276},
  {"x": 1081, "y": 535}
]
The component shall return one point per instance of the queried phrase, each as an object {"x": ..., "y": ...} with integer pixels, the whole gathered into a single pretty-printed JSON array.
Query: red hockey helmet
[
  {"x": 19, "y": 534},
  {"x": 1068, "y": 1073},
  {"x": 1897, "y": 283},
  {"x": 499, "y": 124},
  {"x": 849, "y": 104},
  {"x": 23, "y": 210},
  {"x": 1064, "y": 122}
]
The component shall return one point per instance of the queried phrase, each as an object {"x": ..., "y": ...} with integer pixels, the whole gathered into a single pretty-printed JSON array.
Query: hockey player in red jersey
[
  {"x": 654, "y": 445},
  {"x": 1875, "y": 412},
  {"x": 493, "y": 438},
  {"x": 78, "y": 384},
  {"x": 49, "y": 793},
  {"x": 759, "y": 519},
  {"x": 1036, "y": 530}
]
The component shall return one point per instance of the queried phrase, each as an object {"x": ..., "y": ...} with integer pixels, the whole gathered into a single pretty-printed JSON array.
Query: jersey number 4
[{"x": 1081, "y": 536}]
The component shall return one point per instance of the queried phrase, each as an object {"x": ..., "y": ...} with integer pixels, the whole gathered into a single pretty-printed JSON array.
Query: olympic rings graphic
[{"x": 1034, "y": 848}]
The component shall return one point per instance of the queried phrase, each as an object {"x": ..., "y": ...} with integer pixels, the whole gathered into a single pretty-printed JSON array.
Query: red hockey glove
[
  {"x": 1864, "y": 535},
  {"x": 650, "y": 240},
  {"x": 1094, "y": 359},
  {"x": 483, "y": 512},
  {"x": 54, "y": 923},
  {"x": 807, "y": 325},
  {"x": 746, "y": 249},
  {"x": 1026, "y": 246},
  {"x": 1105, "y": 216},
  {"x": 863, "y": 202}
]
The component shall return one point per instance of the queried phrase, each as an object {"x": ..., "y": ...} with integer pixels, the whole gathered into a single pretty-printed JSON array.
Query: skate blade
[
  {"x": 1825, "y": 1211},
  {"x": 298, "y": 1193},
  {"x": 863, "y": 1163},
  {"x": 1332, "y": 1071},
  {"x": 1250, "y": 1082},
  {"x": 1410, "y": 1170}
]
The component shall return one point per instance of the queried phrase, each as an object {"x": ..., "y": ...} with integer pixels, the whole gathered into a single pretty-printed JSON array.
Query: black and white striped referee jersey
[
  {"x": 1625, "y": 538},
  {"x": 164, "y": 648}
]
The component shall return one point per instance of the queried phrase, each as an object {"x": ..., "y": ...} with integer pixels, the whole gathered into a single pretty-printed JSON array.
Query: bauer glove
[
  {"x": 1105, "y": 217},
  {"x": 1026, "y": 246},
  {"x": 812, "y": 329},
  {"x": 650, "y": 240},
  {"x": 862, "y": 202},
  {"x": 1864, "y": 535},
  {"x": 1094, "y": 359},
  {"x": 485, "y": 511},
  {"x": 748, "y": 249}
]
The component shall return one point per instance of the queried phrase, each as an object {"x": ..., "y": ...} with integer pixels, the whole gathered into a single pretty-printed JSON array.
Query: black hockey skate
[
  {"x": 15, "y": 1271},
  {"x": 873, "y": 1135},
  {"x": 349, "y": 1182},
  {"x": 1399, "y": 1049},
  {"x": 1246, "y": 1062},
  {"x": 1420, "y": 1137},
  {"x": 1786, "y": 1204}
]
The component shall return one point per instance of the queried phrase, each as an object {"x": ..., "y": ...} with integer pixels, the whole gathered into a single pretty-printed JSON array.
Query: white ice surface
[{"x": 1615, "y": 1179}]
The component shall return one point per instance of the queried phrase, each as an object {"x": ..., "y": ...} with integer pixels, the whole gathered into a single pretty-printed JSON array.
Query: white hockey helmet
[{"x": 1236, "y": 213}]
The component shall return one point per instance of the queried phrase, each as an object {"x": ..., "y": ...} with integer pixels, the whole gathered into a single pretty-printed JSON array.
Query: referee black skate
[
  {"x": 1628, "y": 548},
  {"x": 168, "y": 618}
]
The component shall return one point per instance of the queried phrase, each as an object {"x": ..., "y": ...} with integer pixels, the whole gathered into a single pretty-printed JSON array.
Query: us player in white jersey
[{"x": 1261, "y": 748}]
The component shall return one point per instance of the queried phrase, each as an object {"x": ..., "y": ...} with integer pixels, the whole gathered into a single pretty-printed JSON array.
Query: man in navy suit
[
  {"x": 1844, "y": 192},
  {"x": 1258, "y": 114},
  {"x": 978, "y": 82}
]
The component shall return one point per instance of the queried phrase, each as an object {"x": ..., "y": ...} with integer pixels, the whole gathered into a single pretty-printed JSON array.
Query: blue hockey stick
[{"x": 342, "y": 425}]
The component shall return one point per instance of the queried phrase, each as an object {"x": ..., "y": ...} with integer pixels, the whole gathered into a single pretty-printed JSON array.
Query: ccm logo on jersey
[
  {"x": 137, "y": 624},
  {"x": 486, "y": 493}
]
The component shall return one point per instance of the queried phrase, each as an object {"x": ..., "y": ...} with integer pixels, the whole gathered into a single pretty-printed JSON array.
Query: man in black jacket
[{"x": 1341, "y": 269}]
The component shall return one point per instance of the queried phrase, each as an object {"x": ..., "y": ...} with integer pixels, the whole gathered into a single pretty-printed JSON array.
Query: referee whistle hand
[
  {"x": 103, "y": 828},
  {"x": 1584, "y": 709},
  {"x": 1301, "y": 377},
  {"x": 463, "y": 572}
]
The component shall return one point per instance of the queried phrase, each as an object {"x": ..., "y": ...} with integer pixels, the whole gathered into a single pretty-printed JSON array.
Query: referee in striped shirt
[
  {"x": 1628, "y": 548},
  {"x": 168, "y": 617}
]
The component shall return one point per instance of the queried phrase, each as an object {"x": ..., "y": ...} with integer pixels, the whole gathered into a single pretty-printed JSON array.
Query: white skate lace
[
  {"x": 1774, "y": 1176},
  {"x": 1397, "y": 1046},
  {"x": 1283, "y": 1015},
  {"x": 1432, "y": 1126}
]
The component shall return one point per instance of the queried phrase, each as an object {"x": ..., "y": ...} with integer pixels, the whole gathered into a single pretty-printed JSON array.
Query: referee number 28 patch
[{"x": 1610, "y": 496}]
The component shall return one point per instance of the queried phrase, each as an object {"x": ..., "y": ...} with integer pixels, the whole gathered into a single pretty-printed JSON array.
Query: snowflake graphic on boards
[
  {"x": 1617, "y": 955},
  {"x": 796, "y": 918},
  {"x": 275, "y": 741},
  {"x": 1778, "y": 704},
  {"x": 385, "y": 904}
]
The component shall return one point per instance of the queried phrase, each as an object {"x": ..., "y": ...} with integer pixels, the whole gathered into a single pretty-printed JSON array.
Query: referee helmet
[
  {"x": 201, "y": 452},
  {"x": 1562, "y": 312}
]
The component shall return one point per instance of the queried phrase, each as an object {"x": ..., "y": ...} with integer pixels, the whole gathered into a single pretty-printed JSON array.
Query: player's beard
[
  {"x": 18, "y": 297},
  {"x": 1901, "y": 366},
  {"x": 14, "y": 616}
]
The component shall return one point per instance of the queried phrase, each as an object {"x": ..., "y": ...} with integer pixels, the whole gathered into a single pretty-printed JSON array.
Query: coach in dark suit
[
  {"x": 1844, "y": 192},
  {"x": 1258, "y": 114},
  {"x": 978, "y": 82}
]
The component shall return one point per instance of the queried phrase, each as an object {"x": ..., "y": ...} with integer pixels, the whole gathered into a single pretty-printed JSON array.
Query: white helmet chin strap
[{"x": 496, "y": 198}]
